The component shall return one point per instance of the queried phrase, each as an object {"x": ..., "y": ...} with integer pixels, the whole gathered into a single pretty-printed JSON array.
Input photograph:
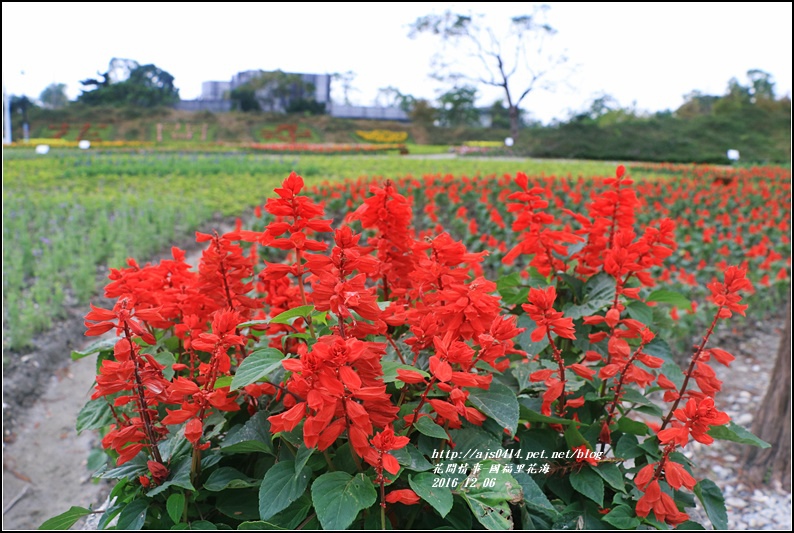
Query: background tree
[
  {"x": 500, "y": 115},
  {"x": 128, "y": 83},
  {"x": 54, "y": 96},
  {"x": 456, "y": 107},
  {"x": 696, "y": 104},
  {"x": 277, "y": 91},
  {"x": 423, "y": 113},
  {"x": 515, "y": 62},
  {"x": 19, "y": 106},
  {"x": 393, "y": 97},
  {"x": 345, "y": 80},
  {"x": 772, "y": 423},
  {"x": 244, "y": 99}
]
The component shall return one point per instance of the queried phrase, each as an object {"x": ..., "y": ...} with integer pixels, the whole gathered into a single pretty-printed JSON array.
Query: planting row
[
  {"x": 371, "y": 371},
  {"x": 67, "y": 213}
]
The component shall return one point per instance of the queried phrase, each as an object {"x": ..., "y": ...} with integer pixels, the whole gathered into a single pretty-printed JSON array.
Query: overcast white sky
[{"x": 650, "y": 54}]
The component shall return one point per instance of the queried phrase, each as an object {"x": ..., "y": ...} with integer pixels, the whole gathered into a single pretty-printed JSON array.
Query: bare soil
[{"x": 44, "y": 459}]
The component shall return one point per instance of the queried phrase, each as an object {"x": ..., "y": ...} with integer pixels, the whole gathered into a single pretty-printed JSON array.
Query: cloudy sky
[{"x": 643, "y": 54}]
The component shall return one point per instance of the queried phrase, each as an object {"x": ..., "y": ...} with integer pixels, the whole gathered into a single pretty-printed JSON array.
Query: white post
[{"x": 6, "y": 118}]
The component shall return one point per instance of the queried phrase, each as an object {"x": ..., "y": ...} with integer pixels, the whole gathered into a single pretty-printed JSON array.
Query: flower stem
[{"x": 691, "y": 369}]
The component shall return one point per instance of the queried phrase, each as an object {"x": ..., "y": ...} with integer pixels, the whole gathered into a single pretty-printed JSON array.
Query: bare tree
[
  {"x": 516, "y": 62},
  {"x": 772, "y": 423},
  {"x": 346, "y": 79}
]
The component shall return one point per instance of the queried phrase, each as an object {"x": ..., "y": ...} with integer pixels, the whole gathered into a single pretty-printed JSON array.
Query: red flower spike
[{"x": 404, "y": 496}]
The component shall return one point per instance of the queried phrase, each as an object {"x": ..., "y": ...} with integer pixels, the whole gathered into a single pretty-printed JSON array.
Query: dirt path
[{"x": 45, "y": 461}]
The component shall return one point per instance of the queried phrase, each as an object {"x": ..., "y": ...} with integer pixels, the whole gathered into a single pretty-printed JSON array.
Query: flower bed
[
  {"x": 329, "y": 148},
  {"x": 377, "y": 380}
]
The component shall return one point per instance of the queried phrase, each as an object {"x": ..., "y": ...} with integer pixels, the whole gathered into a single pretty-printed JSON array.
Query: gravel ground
[{"x": 744, "y": 385}]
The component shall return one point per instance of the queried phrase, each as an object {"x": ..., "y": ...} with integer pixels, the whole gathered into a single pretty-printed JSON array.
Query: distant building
[
  {"x": 215, "y": 97},
  {"x": 215, "y": 90}
]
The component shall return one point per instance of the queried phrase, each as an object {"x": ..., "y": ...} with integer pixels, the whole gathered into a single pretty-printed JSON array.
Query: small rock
[
  {"x": 744, "y": 419},
  {"x": 756, "y": 368},
  {"x": 736, "y": 503}
]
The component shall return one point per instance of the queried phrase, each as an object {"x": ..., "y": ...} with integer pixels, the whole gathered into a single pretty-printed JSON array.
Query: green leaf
[
  {"x": 238, "y": 504},
  {"x": 280, "y": 487},
  {"x": 175, "y": 506},
  {"x": 223, "y": 381},
  {"x": 534, "y": 496},
  {"x": 254, "y": 436},
  {"x": 438, "y": 497},
  {"x": 227, "y": 477},
  {"x": 474, "y": 442},
  {"x": 166, "y": 359},
  {"x": 627, "y": 425},
  {"x": 610, "y": 472},
  {"x": 460, "y": 515},
  {"x": 530, "y": 414},
  {"x": 499, "y": 402},
  {"x": 302, "y": 457},
  {"x": 493, "y": 515},
  {"x": 511, "y": 289},
  {"x": 257, "y": 366},
  {"x": 628, "y": 447},
  {"x": 95, "y": 414},
  {"x": 338, "y": 498},
  {"x": 673, "y": 372},
  {"x": 489, "y": 494},
  {"x": 659, "y": 348},
  {"x": 735, "y": 433},
  {"x": 133, "y": 515},
  {"x": 641, "y": 312},
  {"x": 131, "y": 469},
  {"x": 600, "y": 287},
  {"x": 426, "y": 426},
  {"x": 588, "y": 483},
  {"x": 587, "y": 308},
  {"x": 252, "y": 323},
  {"x": 99, "y": 346},
  {"x": 690, "y": 525},
  {"x": 622, "y": 517},
  {"x": 202, "y": 525},
  {"x": 669, "y": 297},
  {"x": 320, "y": 317},
  {"x": 525, "y": 339},
  {"x": 599, "y": 292},
  {"x": 295, "y": 514},
  {"x": 574, "y": 438},
  {"x": 286, "y": 316},
  {"x": 65, "y": 520},
  {"x": 711, "y": 497},
  {"x": 412, "y": 459},
  {"x": 259, "y": 525},
  {"x": 179, "y": 477}
]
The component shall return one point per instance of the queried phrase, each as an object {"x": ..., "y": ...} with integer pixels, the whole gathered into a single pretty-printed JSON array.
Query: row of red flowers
[{"x": 374, "y": 352}]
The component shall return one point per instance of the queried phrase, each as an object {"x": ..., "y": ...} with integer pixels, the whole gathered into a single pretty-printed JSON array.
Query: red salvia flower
[{"x": 540, "y": 309}]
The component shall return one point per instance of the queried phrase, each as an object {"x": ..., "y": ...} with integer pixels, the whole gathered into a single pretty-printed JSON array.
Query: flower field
[
  {"x": 383, "y": 343},
  {"x": 110, "y": 206}
]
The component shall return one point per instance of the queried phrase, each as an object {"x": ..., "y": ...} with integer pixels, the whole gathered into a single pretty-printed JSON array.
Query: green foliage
[
  {"x": 456, "y": 107},
  {"x": 54, "y": 96},
  {"x": 277, "y": 91},
  {"x": 143, "y": 86}
]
